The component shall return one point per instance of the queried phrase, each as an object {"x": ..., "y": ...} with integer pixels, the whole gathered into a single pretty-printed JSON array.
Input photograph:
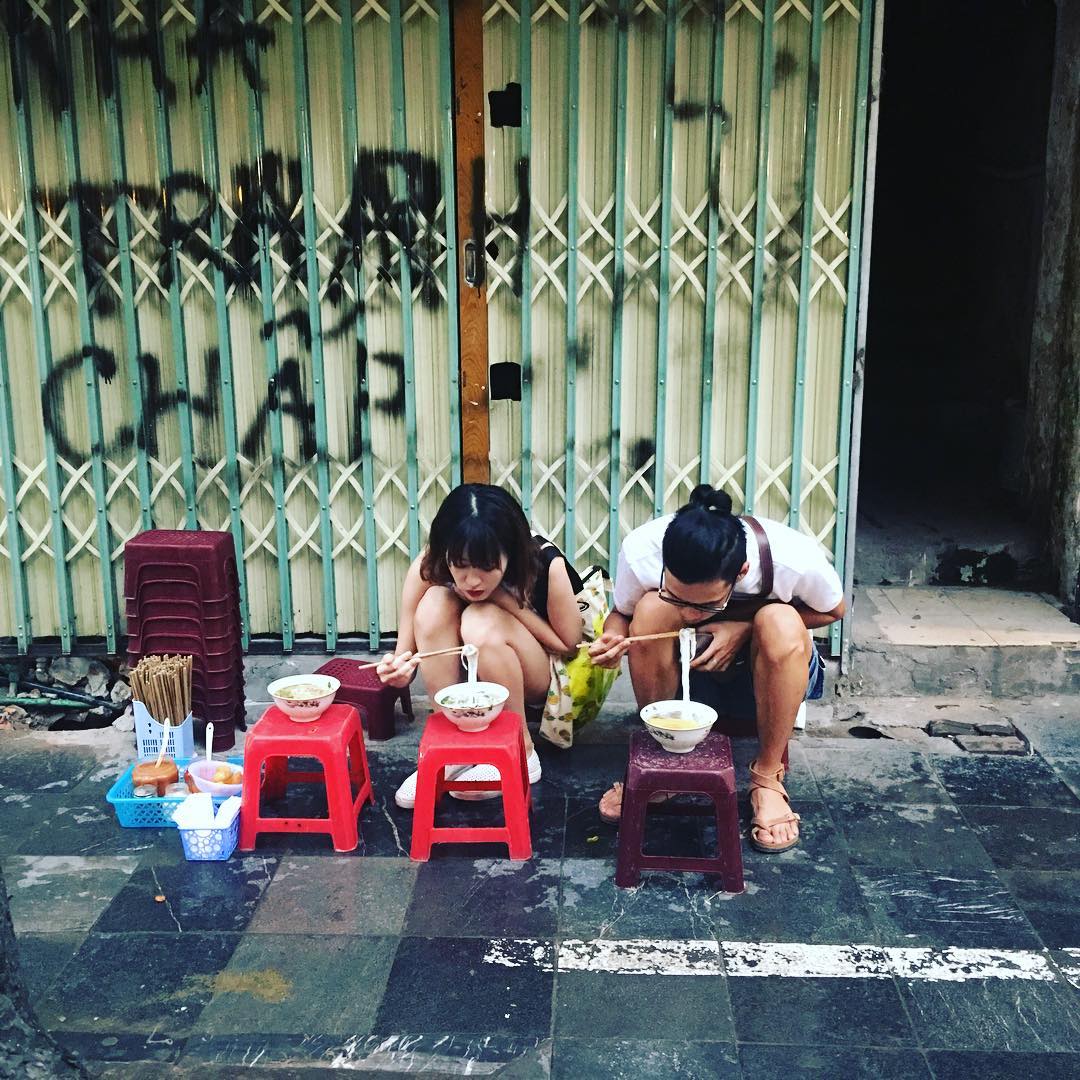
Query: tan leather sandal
[
  {"x": 770, "y": 782},
  {"x": 611, "y": 802}
]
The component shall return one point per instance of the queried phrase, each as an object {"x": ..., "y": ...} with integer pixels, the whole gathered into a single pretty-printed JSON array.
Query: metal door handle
[{"x": 474, "y": 265}]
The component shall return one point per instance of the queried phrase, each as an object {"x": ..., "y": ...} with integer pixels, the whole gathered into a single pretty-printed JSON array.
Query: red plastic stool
[
  {"x": 501, "y": 745},
  {"x": 337, "y": 741},
  {"x": 707, "y": 770},
  {"x": 364, "y": 689}
]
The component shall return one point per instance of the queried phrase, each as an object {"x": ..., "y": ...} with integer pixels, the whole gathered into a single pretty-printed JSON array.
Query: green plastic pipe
[
  {"x": 359, "y": 282},
  {"x": 42, "y": 343},
  {"x": 232, "y": 463},
  {"x": 813, "y": 85},
  {"x": 311, "y": 264},
  {"x": 270, "y": 347},
  {"x": 760, "y": 231}
]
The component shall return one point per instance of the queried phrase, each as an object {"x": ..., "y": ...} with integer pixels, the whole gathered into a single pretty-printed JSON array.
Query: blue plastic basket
[
  {"x": 152, "y": 813},
  {"x": 210, "y": 845}
]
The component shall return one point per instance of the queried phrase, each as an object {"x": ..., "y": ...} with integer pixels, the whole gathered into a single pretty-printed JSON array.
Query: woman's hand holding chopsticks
[
  {"x": 393, "y": 666},
  {"x": 398, "y": 669}
]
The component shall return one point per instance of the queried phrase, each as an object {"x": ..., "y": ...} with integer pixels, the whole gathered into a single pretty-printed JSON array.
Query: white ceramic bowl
[
  {"x": 472, "y": 717},
  {"x": 307, "y": 708},
  {"x": 202, "y": 770},
  {"x": 679, "y": 740}
]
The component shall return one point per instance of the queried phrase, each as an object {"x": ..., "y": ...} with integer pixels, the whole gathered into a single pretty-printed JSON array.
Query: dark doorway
[{"x": 956, "y": 238}]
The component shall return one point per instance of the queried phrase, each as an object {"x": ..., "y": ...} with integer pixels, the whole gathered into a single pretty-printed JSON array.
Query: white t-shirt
[{"x": 801, "y": 572}]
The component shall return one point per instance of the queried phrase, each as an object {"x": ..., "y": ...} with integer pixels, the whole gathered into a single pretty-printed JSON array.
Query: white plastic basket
[
  {"x": 211, "y": 845},
  {"x": 148, "y": 734}
]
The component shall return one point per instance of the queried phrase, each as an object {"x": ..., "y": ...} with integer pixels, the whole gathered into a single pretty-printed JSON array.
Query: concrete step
[{"x": 949, "y": 641}]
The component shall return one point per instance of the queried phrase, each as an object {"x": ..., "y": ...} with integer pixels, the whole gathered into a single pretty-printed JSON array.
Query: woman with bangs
[{"x": 486, "y": 580}]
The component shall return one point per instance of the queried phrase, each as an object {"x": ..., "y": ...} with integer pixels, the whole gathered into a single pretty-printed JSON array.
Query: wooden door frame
[{"x": 467, "y": 59}]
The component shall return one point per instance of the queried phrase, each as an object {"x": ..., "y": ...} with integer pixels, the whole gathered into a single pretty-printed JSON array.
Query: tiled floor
[{"x": 292, "y": 961}]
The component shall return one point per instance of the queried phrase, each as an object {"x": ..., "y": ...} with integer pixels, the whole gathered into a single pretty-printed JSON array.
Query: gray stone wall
[{"x": 1053, "y": 437}]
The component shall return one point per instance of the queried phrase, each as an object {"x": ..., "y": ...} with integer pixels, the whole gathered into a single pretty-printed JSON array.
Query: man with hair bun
[{"x": 755, "y": 590}]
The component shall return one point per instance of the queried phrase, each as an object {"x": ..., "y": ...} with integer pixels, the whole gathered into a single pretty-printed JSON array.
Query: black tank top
[{"x": 548, "y": 554}]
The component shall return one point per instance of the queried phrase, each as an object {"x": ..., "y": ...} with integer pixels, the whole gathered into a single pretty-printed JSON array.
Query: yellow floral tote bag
[{"x": 578, "y": 688}]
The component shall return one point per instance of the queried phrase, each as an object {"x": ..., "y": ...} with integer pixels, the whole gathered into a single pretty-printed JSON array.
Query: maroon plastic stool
[
  {"x": 209, "y": 554},
  {"x": 707, "y": 770},
  {"x": 364, "y": 689},
  {"x": 182, "y": 596}
]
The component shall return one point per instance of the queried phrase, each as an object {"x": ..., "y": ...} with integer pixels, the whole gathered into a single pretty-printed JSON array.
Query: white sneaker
[
  {"x": 489, "y": 774},
  {"x": 405, "y": 796},
  {"x": 800, "y": 717}
]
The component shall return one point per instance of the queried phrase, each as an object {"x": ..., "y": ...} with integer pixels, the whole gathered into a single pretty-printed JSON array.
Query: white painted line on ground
[
  {"x": 961, "y": 965},
  {"x": 520, "y": 952},
  {"x": 641, "y": 957},
  {"x": 1071, "y": 969},
  {"x": 793, "y": 960}
]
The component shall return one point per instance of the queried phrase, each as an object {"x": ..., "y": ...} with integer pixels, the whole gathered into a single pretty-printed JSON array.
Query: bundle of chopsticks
[{"x": 163, "y": 685}]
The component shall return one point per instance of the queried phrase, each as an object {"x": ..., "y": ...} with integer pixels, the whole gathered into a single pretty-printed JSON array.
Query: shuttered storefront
[{"x": 236, "y": 303}]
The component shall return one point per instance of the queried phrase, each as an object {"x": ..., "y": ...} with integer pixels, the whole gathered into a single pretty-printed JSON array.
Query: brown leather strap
[{"x": 764, "y": 554}]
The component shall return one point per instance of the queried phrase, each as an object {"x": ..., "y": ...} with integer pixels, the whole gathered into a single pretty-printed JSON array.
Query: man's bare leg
[
  {"x": 780, "y": 652},
  {"x": 654, "y": 671},
  {"x": 654, "y": 665}
]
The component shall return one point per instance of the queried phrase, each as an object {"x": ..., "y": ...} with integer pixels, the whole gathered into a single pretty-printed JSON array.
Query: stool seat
[
  {"x": 502, "y": 744},
  {"x": 336, "y": 740},
  {"x": 363, "y": 688},
  {"x": 707, "y": 770}
]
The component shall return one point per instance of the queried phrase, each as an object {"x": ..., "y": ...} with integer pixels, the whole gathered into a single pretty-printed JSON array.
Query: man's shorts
[{"x": 731, "y": 692}]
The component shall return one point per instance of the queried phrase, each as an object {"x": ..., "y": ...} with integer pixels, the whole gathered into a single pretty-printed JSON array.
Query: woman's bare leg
[
  {"x": 509, "y": 656},
  {"x": 437, "y": 625}
]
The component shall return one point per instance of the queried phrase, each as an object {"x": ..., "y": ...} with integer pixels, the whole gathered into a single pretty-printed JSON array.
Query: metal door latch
[{"x": 474, "y": 265}]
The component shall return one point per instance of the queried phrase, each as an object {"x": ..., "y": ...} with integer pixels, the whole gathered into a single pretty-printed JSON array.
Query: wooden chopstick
[
  {"x": 638, "y": 637},
  {"x": 418, "y": 656}
]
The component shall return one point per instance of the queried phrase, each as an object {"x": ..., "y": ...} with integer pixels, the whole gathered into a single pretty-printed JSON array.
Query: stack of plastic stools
[
  {"x": 707, "y": 770},
  {"x": 336, "y": 740},
  {"x": 362, "y": 687},
  {"x": 502, "y": 744},
  {"x": 182, "y": 596}
]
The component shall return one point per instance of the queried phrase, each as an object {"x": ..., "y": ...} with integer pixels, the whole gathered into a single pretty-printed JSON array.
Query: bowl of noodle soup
[
  {"x": 678, "y": 726},
  {"x": 472, "y": 705},
  {"x": 304, "y": 697}
]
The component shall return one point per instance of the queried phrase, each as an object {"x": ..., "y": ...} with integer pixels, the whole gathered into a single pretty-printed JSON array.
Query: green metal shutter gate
[{"x": 232, "y": 304}]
